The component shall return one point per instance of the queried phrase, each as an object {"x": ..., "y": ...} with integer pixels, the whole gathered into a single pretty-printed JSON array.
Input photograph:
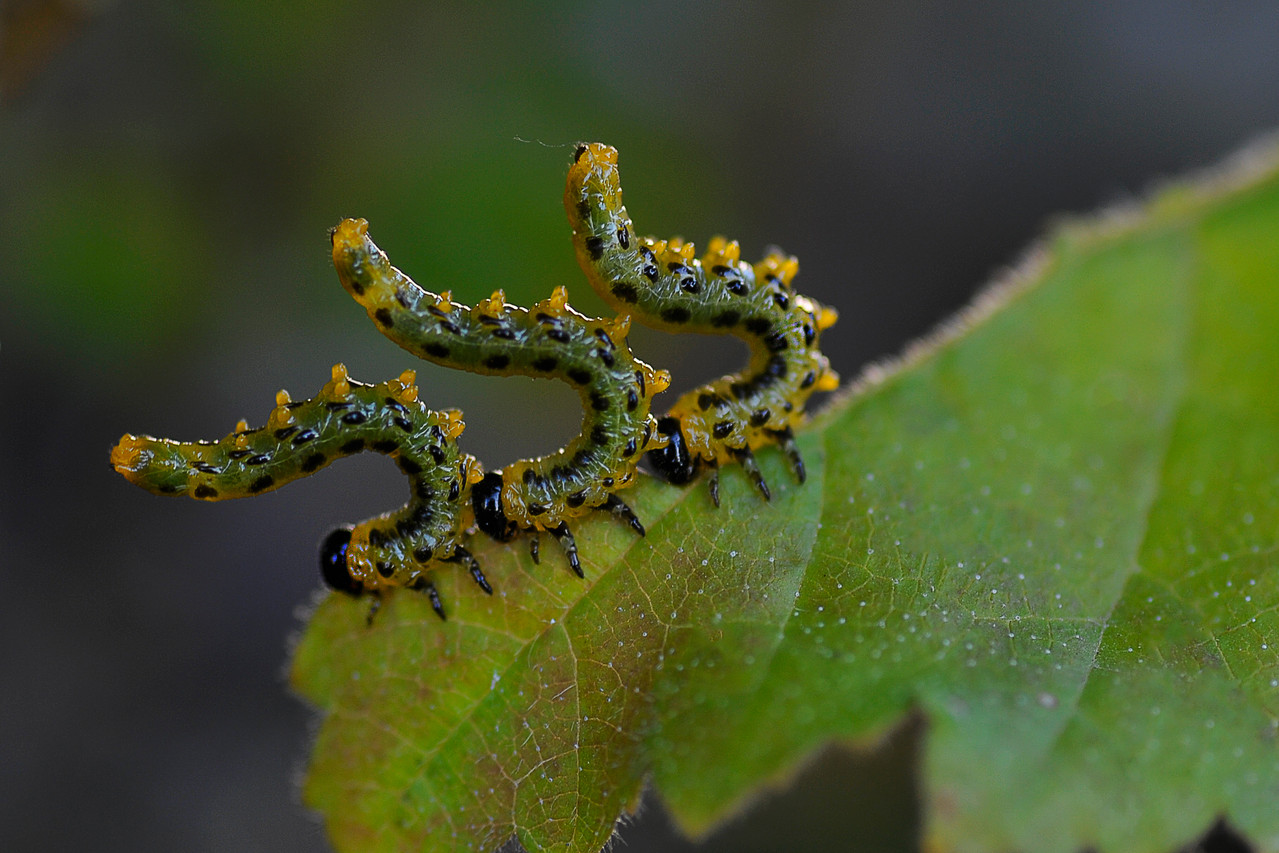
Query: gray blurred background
[{"x": 167, "y": 175}]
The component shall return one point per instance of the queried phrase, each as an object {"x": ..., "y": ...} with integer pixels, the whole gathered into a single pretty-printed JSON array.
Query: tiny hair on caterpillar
[
  {"x": 398, "y": 549},
  {"x": 662, "y": 284}
]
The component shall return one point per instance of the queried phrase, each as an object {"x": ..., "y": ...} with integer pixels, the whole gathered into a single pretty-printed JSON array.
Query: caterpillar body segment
[
  {"x": 663, "y": 284},
  {"x": 299, "y": 438},
  {"x": 549, "y": 340}
]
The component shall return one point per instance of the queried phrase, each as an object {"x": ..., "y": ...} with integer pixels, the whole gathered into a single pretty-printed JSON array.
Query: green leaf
[{"x": 1052, "y": 532}]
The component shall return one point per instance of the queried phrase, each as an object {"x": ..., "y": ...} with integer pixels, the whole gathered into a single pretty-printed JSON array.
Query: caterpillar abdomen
[
  {"x": 664, "y": 285},
  {"x": 549, "y": 340},
  {"x": 300, "y": 438}
]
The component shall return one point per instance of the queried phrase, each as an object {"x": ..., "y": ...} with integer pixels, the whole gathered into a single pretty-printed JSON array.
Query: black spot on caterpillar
[
  {"x": 663, "y": 285},
  {"x": 549, "y": 340},
  {"x": 347, "y": 417}
]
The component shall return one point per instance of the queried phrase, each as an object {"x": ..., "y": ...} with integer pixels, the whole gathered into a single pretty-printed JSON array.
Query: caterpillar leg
[
  {"x": 534, "y": 544},
  {"x": 375, "y": 604},
  {"x": 748, "y": 462},
  {"x": 712, "y": 483},
  {"x": 565, "y": 538},
  {"x": 617, "y": 507},
  {"x": 786, "y": 438},
  {"x": 424, "y": 585},
  {"x": 461, "y": 555}
]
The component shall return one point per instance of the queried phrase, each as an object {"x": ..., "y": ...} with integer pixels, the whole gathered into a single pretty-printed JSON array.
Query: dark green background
[{"x": 167, "y": 173}]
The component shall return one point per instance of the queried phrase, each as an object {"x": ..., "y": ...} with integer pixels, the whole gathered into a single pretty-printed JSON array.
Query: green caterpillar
[
  {"x": 347, "y": 417},
  {"x": 551, "y": 340},
  {"x": 664, "y": 286}
]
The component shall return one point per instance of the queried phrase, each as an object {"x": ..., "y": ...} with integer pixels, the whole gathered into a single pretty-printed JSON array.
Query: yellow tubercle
[
  {"x": 619, "y": 327},
  {"x": 826, "y": 317},
  {"x": 785, "y": 267},
  {"x": 684, "y": 251},
  {"x": 555, "y": 303},
  {"x": 340, "y": 385},
  {"x": 722, "y": 251},
  {"x": 444, "y": 301},
  {"x": 657, "y": 380},
  {"x": 407, "y": 391},
  {"x": 492, "y": 306},
  {"x": 280, "y": 415},
  {"x": 451, "y": 423}
]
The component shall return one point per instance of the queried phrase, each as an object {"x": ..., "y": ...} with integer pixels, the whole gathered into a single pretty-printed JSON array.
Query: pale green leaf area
[{"x": 1051, "y": 532}]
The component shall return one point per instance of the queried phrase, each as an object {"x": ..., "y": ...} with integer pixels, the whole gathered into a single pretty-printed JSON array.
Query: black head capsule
[
  {"x": 673, "y": 462},
  {"x": 333, "y": 562},
  {"x": 486, "y": 498}
]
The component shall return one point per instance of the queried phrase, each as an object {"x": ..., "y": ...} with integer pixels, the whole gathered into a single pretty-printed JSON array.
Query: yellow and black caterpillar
[
  {"x": 658, "y": 282},
  {"x": 347, "y": 417},
  {"x": 663, "y": 285}
]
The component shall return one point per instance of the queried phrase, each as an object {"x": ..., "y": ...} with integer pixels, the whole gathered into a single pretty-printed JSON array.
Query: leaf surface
[{"x": 1051, "y": 531}]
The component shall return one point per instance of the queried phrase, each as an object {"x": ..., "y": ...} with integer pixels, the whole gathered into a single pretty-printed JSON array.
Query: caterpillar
[
  {"x": 299, "y": 438},
  {"x": 663, "y": 285},
  {"x": 550, "y": 340}
]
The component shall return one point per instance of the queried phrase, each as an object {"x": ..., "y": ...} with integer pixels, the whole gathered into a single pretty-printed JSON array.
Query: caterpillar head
[
  {"x": 156, "y": 464},
  {"x": 486, "y": 499},
  {"x": 333, "y": 562},
  {"x": 673, "y": 462}
]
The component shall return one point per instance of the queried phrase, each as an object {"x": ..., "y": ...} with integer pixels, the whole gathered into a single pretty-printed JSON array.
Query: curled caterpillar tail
[
  {"x": 549, "y": 340},
  {"x": 300, "y": 438},
  {"x": 664, "y": 285}
]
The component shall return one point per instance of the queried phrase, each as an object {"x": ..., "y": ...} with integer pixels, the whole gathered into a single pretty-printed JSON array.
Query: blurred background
[{"x": 168, "y": 173}]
